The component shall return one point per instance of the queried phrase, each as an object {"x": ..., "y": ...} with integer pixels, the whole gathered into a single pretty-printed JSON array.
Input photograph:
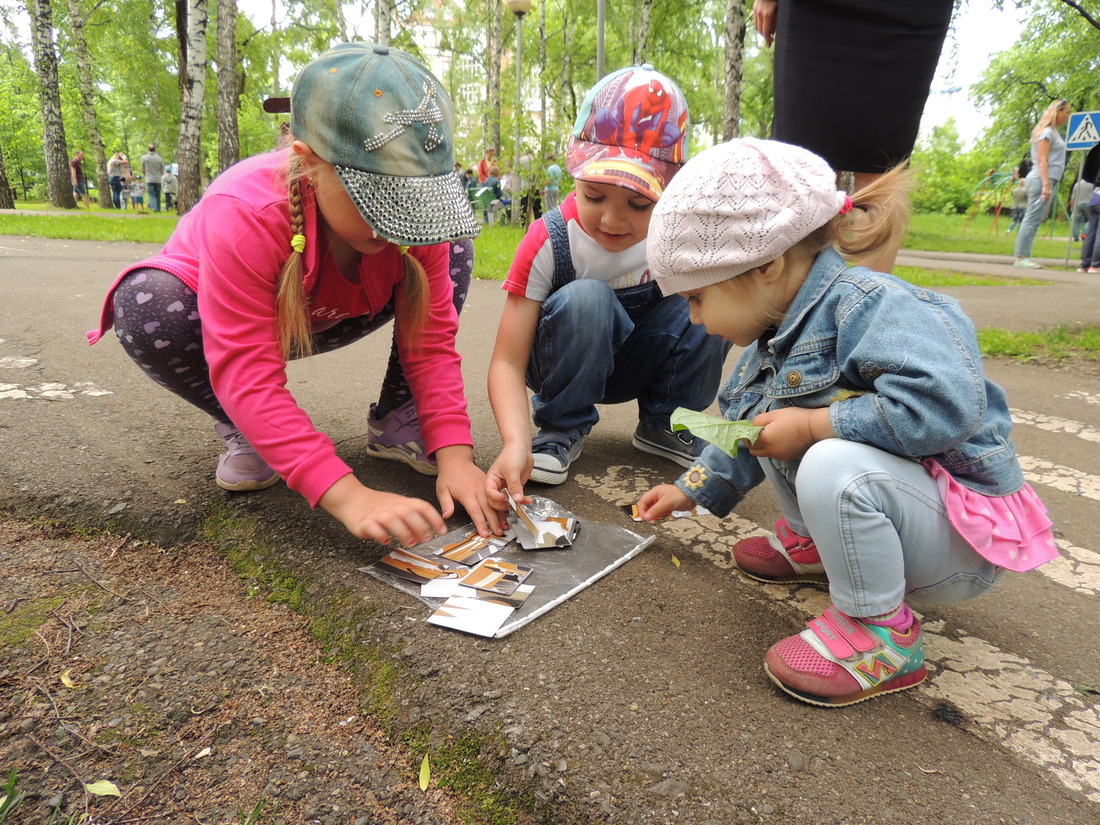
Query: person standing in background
[
  {"x": 1048, "y": 162},
  {"x": 551, "y": 192},
  {"x": 169, "y": 187},
  {"x": 114, "y": 178},
  {"x": 152, "y": 168},
  {"x": 484, "y": 164},
  {"x": 1079, "y": 207},
  {"x": 80, "y": 184}
]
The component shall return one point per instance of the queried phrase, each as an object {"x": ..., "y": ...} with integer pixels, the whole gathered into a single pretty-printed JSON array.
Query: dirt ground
[{"x": 159, "y": 672}]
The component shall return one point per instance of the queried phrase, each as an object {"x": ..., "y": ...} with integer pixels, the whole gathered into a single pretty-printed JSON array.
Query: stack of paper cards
[{"x": 543, "y": 534}]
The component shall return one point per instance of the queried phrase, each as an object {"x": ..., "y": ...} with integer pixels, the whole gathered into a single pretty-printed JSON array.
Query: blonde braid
[{"x": 295, "y": 334}]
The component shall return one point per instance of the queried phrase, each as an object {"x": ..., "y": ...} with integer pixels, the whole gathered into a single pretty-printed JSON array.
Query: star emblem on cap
[{"x": 427, "y": 112}]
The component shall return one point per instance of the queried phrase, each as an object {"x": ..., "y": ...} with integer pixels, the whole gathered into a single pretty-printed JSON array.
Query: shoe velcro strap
[{"x": 842, "y": 635}]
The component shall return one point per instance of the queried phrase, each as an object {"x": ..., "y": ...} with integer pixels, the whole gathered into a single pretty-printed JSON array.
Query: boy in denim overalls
[{"x": 584, "y": 324}]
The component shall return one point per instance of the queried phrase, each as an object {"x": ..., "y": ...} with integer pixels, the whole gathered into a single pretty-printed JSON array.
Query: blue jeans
[
  {"x": 1035, "y": 213},
  {"x": 880, "y": 526},
  {"x": 595, "y": 345},
  {"x": 153, "y": 190},
  {"x": 116, "y": 190},
  {"x": 1090, "y": 249}
]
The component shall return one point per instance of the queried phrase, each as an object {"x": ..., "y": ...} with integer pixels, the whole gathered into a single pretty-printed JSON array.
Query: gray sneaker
[
  {"x": 554, "y": 452},
  {"x": 680, "y": 447},
  {"x": 240, "y": 467}
]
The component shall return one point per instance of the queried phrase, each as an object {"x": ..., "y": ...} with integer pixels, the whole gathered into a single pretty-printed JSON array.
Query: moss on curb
[{"x": 465, "y": 763}]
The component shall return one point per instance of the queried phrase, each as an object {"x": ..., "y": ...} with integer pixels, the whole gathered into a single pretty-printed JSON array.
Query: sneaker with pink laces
[
  {"x": 782, "y": 558},
  {"x": 839, "y": 660},
  {"x": 396, "y": 437},
  {"x": 240, "y": 468}
]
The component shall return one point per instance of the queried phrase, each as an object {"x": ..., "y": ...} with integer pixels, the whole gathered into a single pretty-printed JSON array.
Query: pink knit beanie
[{"x": 737, "y": 206}]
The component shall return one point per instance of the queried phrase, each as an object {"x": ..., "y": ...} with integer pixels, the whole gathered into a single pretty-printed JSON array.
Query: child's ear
[{"x": 773, "y": 270}]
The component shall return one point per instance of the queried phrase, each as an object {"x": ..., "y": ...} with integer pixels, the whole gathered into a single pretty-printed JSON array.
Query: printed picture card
[
  {"x": 496, "y": 576},
  {"x": 473, "y": 549},
  {"x": 632, "y": 511},
  {"x": 554, "y": 533},
  {"x": 413, "y": 567},
  {"x": 482, "y": 617}
]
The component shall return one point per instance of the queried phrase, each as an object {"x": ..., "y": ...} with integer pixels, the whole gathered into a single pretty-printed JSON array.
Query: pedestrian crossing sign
[{"x": 1084, "y": 131}]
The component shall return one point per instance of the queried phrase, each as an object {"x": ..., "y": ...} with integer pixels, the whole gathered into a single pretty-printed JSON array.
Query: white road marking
[
  {"x": 1081, "y": 395},
  {"x": 1009, "y": 703},
  {"x": 1054, "y": 424},
  {"x": 50, "y": 391},
  {"x": 1066, "y": 479}
]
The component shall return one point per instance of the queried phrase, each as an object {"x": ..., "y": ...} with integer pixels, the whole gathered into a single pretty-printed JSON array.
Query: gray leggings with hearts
[{"x": 157, "y": 322}]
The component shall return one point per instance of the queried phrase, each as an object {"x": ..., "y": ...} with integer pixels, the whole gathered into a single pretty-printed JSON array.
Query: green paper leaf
[
  {"x": 725, "y": 435},
  {"x": 102, "y": 788},
  {"x": 425, "y": 773}
]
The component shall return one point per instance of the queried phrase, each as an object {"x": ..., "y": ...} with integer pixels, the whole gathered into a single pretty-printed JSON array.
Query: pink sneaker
[
  {"x": 240, "y": 468},
  {"x": 839, "y": 660},
  {"x": 396, "y": 437},
  {"x": 788, "y": 557}
]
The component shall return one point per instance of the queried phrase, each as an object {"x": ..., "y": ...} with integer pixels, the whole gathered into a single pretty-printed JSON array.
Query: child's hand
[
  {"x": 661, "y": 501},
  {"x": 460, "y": 479},
  {"x": 377, "y": 515},
  {"x": 508, "y": 475},
  {"x": 790, "y": 431}
]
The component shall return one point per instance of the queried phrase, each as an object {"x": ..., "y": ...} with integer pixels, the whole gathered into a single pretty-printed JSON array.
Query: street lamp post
[{"x": 519, "y": 8}]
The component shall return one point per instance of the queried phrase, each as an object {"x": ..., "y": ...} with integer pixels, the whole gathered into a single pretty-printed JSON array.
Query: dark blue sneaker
[{"x": 553, "y": 453}]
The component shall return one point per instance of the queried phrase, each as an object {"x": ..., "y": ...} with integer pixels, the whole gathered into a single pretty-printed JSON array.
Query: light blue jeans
[
  {"x": 595, "y": 345},
  {"x": 880, "y": 526},
  {"x": 1034, "y": 215}
]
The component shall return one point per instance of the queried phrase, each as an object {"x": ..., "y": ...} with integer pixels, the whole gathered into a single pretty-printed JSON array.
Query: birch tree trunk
[
  {"x": 641, "y": 38},
  {"x": 192, "y": 92},
  {"x": 735, "y": 52},
  {"x": 58, "y": 181},
  {"x": 496, "y": 11},
  {"x": 6, "y": 199},
  {"x": 229, "y": 84},
  {"x": 383, "y": 17},
  {"x": 87, "y": 102}
]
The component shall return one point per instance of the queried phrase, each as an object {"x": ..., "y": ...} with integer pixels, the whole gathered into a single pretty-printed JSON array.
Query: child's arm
[{"x": 508, "y": 396}]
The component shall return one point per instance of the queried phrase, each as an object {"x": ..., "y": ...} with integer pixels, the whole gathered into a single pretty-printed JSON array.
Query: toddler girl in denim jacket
[{"x": 887, "y": 447}]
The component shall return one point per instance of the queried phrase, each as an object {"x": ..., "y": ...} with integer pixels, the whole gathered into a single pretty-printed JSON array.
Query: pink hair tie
[{"x": 847, "y": 207}]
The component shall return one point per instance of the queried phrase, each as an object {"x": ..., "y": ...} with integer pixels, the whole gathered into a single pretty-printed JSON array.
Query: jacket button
[{"x": 794, "y": 378}]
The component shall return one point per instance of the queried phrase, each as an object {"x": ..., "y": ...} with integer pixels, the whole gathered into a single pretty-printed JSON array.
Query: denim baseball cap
[
  {"x": 386, "y": 124},
  {"x": 631, "y": 131}
]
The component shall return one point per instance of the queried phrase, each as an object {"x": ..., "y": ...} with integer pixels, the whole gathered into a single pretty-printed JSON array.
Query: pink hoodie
[{"x": 230, "y": 249}]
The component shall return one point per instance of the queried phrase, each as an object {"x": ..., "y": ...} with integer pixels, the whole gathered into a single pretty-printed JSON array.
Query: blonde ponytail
[{"x": 879, "y": 218}]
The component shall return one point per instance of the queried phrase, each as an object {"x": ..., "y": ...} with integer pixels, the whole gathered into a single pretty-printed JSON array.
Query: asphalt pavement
[{"x": 642, "y": 698}]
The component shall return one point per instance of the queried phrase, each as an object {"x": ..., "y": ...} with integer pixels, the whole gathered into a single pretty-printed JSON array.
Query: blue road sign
[{"x": 1084, "y": 130}]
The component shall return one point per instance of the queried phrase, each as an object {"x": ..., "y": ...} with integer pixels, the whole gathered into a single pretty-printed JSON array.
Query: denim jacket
[{"x": 898, "y": 367}]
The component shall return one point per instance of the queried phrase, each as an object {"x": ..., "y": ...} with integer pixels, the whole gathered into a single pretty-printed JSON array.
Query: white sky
[{"x": 980, "y": 32}]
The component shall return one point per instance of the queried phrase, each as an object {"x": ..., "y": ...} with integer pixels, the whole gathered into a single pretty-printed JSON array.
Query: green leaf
[
  {"x": 725, "y": 435},
  {"x": 425, "y": 773},
  {"x": 102, "y": 788},
  {"x": 676, "y": 561}
]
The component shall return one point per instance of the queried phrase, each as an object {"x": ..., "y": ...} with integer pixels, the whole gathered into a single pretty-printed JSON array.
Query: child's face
[
  {"x": 615, "y": 217},
  {"x": 341, "y": 213},
  {"x": 740, "y": 309}
]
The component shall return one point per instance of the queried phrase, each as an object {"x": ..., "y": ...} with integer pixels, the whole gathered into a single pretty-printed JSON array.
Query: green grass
[
  {"x": 940, "y": 278},
  {"x": 1058, "y": 344},
  {"x": 497, "y": 244},
  {"x": 96, "y": 225},
  {"x": 958, "y": 233}
]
